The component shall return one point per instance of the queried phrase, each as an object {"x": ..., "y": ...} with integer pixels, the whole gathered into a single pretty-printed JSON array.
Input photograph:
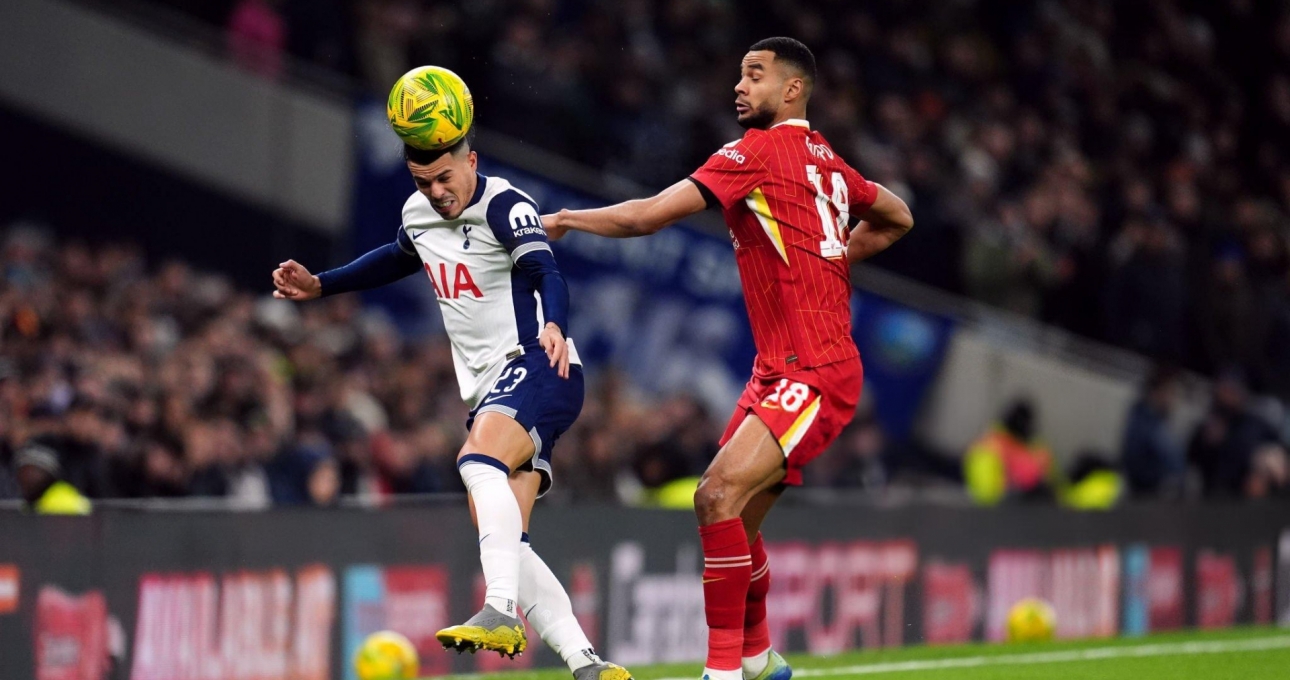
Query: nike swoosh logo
[
  {"x": 481, "y": 541},
  {"x": 710, "y": 580},
  {"x": 500, "y": 396}
]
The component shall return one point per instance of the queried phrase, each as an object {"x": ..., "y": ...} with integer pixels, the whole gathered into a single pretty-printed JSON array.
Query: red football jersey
[{"x": 787, "y": 198}]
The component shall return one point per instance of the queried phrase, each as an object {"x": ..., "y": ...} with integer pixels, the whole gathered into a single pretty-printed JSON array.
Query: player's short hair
[
  {"x": 792, "y": 52},
  {"x": 417, "y": 156}
]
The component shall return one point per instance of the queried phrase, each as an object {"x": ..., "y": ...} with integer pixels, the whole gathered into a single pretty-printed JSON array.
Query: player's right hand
[
  {"x": 557, "y": 348},
  {"x": 293, "y": 282},
  {"x": 554, "y": 232}
]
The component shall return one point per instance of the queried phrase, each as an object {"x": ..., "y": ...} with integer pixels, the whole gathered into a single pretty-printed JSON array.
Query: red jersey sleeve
[
  {"x": 733, "y": 171},
  {"x": 861, "y": 193}
]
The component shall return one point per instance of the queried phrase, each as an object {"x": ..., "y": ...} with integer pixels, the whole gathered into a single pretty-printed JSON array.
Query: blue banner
[
  {"x": 666, "y": 310},
  {"x": 902, "y": 350},
  {"x": 1137, "y": 589},
  {"x": 364, "y": 610}
]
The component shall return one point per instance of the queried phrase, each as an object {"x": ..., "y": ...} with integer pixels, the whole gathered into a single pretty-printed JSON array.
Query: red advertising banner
[
  {"x": 950, "y": 603},
  {"x": 248, "y": 625},
  {"x": 9, "y": 588},
  {"x": 1165, "y": 589},
  {"x": 70, "y": 635},
  {"x": 416, "y": 605},
  {"x": 585, "y": 597},
  {"x": 315, "y": 612},
  {"x": 861, "y": 583},
  {"x": 1082, "y": 584},
  {"x": 1012, "y": 575},
  {"x": 1086, "y": 591},
  {"x": 1261, "y": 585},
  {"x": 1218, "y": 590}
]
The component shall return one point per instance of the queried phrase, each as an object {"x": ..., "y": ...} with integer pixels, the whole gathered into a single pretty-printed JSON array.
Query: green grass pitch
[{"x": 1236, "y": 654}]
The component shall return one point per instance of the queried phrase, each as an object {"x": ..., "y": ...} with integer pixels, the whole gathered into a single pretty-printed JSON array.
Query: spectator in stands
[
  {"x": 1050, "y": 178},
  {"x": 77, "y": 436},
  {"x": 673, "y": 452},
  {"x": 39, "y": 476},
  {"x": 155, "y": 470},
  {"x": 1091, "y": 483},
  {"x": 10, "y": 392},
  {"x": 1008, "y": 461},
  {"x": 1224, "y": 442},
  {"x": 1146, "y": 290},
  {"x": 1228, "y": 312},
  {"x": 1269, "y": 473},
  {"x": 1007, "y": 263},
  {"x": 1154, "y": 461},
  {"x": 861, "y": 457},
  {"x": 305, "y": 475}
]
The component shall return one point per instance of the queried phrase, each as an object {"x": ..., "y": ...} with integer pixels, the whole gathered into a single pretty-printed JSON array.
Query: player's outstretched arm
[
  {"x": 384, "y": 265},
  {"x": 640, "y": 217},
  {"x": 881, "y": 225}
]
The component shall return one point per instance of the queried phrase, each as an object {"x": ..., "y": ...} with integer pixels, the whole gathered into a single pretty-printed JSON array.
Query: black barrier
[{"x": 287, "y": 593}]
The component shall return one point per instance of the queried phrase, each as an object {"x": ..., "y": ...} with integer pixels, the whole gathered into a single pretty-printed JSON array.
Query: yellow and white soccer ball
[
  {"x": 431, "y": 108},
  {"x": 1031, "y": 620},
  {"x": 386, "y": 656}
]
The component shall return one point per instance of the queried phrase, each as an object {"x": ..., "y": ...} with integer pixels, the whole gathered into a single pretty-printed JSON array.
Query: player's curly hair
[
  {"x": 417, "y": 156},
  {"x": 790, "y": 51}
]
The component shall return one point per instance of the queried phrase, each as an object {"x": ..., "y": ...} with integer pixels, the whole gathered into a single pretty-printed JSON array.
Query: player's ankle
[
  {"x": 583, "y": 658},
  {"x": 754, "y": 665}
]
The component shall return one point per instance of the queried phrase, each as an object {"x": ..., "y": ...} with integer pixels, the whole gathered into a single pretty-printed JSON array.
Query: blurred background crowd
[
  {"x": 1115, "y": 168},
  {"x": 170, "y": 382}
]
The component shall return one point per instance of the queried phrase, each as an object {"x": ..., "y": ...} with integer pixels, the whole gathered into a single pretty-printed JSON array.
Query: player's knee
[{"x": 715, "y": 500}]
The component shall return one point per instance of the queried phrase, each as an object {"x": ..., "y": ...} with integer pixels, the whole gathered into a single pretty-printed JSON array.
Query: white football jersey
[{"x": 490, "y": 309}]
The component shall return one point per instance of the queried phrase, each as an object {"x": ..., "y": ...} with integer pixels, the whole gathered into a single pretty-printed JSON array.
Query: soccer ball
[
  {"x": 386, "y": 656},
  {"x": 1031, "y": 620},
  {"x": 430, "y": 108}
]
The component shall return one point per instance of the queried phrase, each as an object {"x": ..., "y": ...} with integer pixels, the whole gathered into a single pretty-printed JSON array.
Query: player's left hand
[
  {"x": 557, "y": 350},
  {"x": 554, "y": 232}
]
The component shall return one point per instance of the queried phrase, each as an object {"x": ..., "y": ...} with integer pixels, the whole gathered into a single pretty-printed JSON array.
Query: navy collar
[{"x": 481, "y": 181}]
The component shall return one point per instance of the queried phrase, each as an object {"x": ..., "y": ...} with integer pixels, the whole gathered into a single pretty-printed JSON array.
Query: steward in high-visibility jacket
[{"x": 39, "y": 475}]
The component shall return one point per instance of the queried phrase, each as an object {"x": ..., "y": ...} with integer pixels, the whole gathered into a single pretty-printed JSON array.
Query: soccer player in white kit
[{"x": 505, "y": 307}]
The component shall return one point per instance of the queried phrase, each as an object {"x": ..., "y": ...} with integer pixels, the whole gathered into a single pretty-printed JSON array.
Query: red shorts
[{"x": 806, "y": 410}]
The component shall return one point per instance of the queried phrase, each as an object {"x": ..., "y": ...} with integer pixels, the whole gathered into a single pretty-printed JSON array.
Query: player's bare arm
[
  {"x": 881, "y": 225},
  {"x": 640, "y": 217}
]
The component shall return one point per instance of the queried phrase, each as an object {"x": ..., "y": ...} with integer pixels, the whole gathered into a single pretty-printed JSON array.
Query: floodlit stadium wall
[
  {"x": 288, "y": 594},
  {"x": 277, "y": 146}
]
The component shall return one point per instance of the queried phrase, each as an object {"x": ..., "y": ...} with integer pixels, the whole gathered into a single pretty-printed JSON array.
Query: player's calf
[
  {"x": 760, "y": 662},
  {"x": 550, "y": 613}
]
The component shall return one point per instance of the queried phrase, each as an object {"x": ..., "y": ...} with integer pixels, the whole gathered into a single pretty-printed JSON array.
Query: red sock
[
  {"x": 756, "y": 633},
  {"x": 727, "y": 569}
]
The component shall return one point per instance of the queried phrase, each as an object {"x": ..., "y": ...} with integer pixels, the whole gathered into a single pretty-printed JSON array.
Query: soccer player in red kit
[{"x": 798, "y": 216}]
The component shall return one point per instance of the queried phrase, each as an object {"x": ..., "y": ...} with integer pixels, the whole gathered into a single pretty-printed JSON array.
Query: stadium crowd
[
  {"x": 1117, "y": 168},
  {"x": 170, "y": 382}
]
